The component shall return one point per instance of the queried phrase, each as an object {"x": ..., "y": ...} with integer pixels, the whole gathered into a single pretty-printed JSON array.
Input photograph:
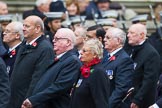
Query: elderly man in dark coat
[
  {"x": 146, "y": 65},
  {"x": 119, "y": 68},
  {"x": 54, "y": 87},
  {"x": 33, "y": 58},
  {"x": 13, "y": 37}
]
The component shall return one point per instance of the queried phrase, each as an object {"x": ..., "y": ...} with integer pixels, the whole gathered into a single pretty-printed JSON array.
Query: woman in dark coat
[{"x": 92, "y": 88}]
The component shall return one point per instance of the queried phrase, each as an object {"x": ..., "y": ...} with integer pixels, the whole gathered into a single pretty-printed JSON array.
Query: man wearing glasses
[
  {"x": 54, "y": 87},
  {"x": 13, "y": 37}
]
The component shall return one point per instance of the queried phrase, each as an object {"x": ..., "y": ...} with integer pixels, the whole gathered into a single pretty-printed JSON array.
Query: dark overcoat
[
  {"x": 54, "y": 87},
  {"x": 120, "y": 72},
  {"x": 31, "y": 63}
]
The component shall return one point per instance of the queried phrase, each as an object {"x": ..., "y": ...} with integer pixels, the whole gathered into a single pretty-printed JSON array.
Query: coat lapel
[
  {"x": 111, "y": 61},
  {"x": 27, "y": 49}
]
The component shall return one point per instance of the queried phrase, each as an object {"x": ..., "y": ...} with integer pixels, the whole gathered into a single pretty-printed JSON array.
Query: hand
[
  {"x": 26, "y": 104},
  {"x": 133, "y": 105}
]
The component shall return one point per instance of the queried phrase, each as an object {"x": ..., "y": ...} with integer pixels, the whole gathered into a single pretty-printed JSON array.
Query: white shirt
[
  {"x": 33, "y": 41},
  {"x": 79, "y": 53},
  {"x": 115, "y": 51},
  {"x": 10, "y": 49},
  {"x": 60, "y": 55},
  {"x": 155, "y": 105},
  {"x": 141, "y": 42}
]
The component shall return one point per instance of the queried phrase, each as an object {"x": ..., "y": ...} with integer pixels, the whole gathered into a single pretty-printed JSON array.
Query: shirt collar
[
  {"x": 33, "y": 40},
  {"x": 141, "y": 42},
  {"x": 60, "y": 55},
  {"x": 115, "y": 51},
  {"x": 10, "y": 49}
]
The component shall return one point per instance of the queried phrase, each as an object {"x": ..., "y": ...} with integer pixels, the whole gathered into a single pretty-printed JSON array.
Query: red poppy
[
  {"x": 13, "y": 52},
  {"x": 112, "y": 58},
  {"x": 56, "y": 59},
  {"x": 34, "y": 44},
  {"x": 86, "y": 69}
]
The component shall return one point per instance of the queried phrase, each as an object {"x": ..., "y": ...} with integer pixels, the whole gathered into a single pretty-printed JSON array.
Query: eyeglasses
[
  {"x": 57, "y": 39},
  {"x": 9, "y": 32},
  {"x": 109, "y": 38},
  {"x": 84, "y": 50}
]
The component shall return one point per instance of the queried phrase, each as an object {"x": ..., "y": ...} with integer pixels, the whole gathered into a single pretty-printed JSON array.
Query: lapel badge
[
  {"x": 110, "y": 74},
  {"x": 79, "y": 82},
  {"x": 135, "y": 65},
  {"x": 8, "y": 69}
]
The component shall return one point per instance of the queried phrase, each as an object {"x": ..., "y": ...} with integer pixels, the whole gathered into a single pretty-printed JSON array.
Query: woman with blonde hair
[{"x": 92, "y": 88}]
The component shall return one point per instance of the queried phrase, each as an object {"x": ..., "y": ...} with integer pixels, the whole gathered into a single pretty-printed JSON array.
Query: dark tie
[
  {"x": 106, "y": 58},
  {"x": 132, "y": 53},
  {"x": 135, "y": 50}
]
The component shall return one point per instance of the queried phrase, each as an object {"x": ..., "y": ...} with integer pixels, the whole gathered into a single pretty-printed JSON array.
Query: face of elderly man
[
  {"x": 63, "y": 40},
  {"x": 32, "y": 28},
  {"x": 111, "y": 42},
  {"x": 136, "y": 34},
  {"x": 10, "y": 34},
  {"x": 29, "y": 28}
]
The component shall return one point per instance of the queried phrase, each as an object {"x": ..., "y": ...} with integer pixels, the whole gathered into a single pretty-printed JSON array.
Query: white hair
[
  {"x": 68, "y": 33},
  {"x": 18, "y": 27},
  {"x": 116, "y": 32}
]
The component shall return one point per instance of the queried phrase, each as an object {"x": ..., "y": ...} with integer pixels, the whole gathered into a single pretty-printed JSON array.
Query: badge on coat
[
  {"x": 109, "y": 74},
  {"x": 135, "y": 65},
  {"x": 8, "y": 69},
  {"x": 79, "y": 83}
]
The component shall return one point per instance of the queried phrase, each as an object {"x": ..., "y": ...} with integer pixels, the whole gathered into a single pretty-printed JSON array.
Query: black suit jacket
[
  {"x": 147, "y": 69},
  {"x": 30, "y": 64},
  {"x": 92, "y": 92},
  {"x": 4, "y": 85},
  {"x": 120, "y": 71},
  {"x": 53, "y": 89},
  {"x": 9, "y": 59}
]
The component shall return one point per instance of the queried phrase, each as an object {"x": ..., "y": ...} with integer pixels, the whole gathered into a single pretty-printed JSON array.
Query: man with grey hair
[
  {"x": 54, "y": 87},
  {"x": 41, "y": 6},
  {"x": 119, "y": 68},
  {"x": 33, "y": 58},
  {"x": 13, "y": 37},
  {"x": 147, "y": 67}
]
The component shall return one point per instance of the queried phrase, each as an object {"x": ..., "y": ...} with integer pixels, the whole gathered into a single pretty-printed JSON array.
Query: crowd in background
[{"x": 53, "y": 59}]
